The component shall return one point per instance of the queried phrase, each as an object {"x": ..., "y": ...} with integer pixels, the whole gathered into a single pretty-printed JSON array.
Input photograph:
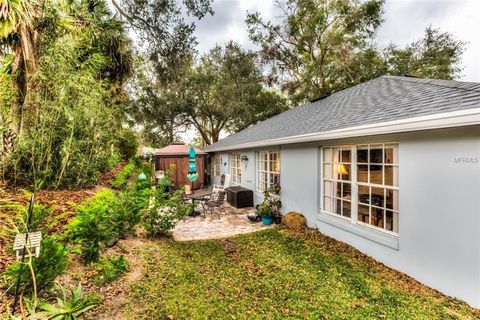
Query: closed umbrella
[{"x": 192, "y": 174}]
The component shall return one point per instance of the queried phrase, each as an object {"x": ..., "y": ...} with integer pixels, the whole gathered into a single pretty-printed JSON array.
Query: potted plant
[
  {"x": 272, "y": 196},
  {"x": 265, "y": 213}
]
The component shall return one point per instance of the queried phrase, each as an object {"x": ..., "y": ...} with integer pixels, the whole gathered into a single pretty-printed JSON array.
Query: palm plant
[
  {"x": 13, "y": 14},
  {"x": 18, "y": 34},
  {"x": 68, "y": 307}
]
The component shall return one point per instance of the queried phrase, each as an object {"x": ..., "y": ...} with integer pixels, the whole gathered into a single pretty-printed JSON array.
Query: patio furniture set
[{"x": 213, "y": 198}]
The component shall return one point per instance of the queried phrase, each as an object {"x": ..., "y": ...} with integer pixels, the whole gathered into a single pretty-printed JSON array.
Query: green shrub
[
  {"x": 92, "y": 228},
  {"x": 163, "y": 215},
  {"x": 126, "y": 210},
  {"x": 121, "y": 179},
  {"x": 108, "y": 270},
  {"x": 51, "y": 263}
]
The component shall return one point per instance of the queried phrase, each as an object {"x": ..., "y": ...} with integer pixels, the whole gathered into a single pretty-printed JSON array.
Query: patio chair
[
  {"x": 216, "y": 202},
  {"x": 224, "y": 183}
]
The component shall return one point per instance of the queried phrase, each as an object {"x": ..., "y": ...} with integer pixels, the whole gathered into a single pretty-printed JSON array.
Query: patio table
[{"x": 200, "y": 196}]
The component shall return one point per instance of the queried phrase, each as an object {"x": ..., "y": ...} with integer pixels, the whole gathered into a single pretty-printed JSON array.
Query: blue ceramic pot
[{"x": 266, "y": 219}]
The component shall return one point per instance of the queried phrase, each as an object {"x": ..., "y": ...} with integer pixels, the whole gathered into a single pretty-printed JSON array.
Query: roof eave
[{"x": 429, "y": 122}]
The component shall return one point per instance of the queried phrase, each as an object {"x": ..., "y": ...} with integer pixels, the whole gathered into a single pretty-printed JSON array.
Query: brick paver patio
[{"x": 212, "y": 226}]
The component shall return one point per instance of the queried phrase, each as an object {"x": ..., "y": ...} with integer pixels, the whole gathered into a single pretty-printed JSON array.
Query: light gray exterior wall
[{"x": 439, "y": 227}]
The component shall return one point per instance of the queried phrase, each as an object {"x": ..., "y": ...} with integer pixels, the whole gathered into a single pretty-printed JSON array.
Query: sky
[{"x": 405, "y": 22}]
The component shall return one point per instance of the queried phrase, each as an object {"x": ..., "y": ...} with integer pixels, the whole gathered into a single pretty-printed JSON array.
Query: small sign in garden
[{"x": 30, "y": 243}]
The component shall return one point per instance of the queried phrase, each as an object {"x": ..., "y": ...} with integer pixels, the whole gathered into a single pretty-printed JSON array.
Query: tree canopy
[
  {"x": 223, "y": 90},
  {"x": 68, "y": 109},
  {"x": 319, "y": 47}
]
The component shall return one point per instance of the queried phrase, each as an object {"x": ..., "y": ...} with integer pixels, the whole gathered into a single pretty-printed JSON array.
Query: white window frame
[
  {"x": 269, "y": 172},
  {"x": 342, "y": 181},
  {"x": 355, "y": 184},
  {"x": 217, "y": 166},
  {"x": 235, "y": 168}
]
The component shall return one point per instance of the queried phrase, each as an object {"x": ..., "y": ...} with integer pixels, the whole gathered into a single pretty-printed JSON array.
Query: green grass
[{"x": 276, "y": 275}]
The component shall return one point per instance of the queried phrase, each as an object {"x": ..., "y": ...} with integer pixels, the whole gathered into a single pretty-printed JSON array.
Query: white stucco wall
[
  {"x": 299, "y": 172},
  {"x": 439, "y": 239}
]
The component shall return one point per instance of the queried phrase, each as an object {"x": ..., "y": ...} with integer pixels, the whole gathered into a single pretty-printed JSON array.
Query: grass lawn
[{"x": 273, "y": 274}]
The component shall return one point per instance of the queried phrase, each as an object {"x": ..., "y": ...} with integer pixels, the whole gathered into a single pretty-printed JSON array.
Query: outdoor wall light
[{"x": 244, "y": 158}]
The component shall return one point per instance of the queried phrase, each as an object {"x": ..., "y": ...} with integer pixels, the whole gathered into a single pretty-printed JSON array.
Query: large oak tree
[
  {"x": 225, "y": 91},
  {"x": 318, "y": 46}
]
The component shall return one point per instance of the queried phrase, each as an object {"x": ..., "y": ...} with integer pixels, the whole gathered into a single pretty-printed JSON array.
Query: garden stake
[{"x": 19, "y": 279}]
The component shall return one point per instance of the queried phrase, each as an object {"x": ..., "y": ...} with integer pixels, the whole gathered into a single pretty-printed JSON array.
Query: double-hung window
[
  {"x": 360, "y": 183},
  {"x": 235, "y": 166},
  {"x": 216, "y": 165},
  {"x": 268, "y": 169},
  {"x": 337, "y": 180}
]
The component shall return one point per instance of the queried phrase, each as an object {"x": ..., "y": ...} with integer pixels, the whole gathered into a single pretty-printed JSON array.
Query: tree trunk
[{"x": 23, "y": 69}]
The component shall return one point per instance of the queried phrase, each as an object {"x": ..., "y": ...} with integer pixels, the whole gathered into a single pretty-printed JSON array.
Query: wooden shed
[{"x": 177, "y": 154}]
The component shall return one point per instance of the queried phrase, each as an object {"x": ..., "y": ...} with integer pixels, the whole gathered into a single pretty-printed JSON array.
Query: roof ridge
[{"x": 432, "y": 82}]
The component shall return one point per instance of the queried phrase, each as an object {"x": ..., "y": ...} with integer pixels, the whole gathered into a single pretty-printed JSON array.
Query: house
[{"x": 390, "y": 166}]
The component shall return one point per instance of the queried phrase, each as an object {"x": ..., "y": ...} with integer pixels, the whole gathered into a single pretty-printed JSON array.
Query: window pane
[
  {"x": 346, "y": 155},
  {"x": 347, "y": 209},
  {"x": 276, "y": 179},
  {"x": 328, "y": 204},
  {"x": 328, "y": 188},
  {"x": 391, "y": 221},
  {"x": 327, "y": 155},
  {"x": 391, "y": 154},
  {"x": 338, "y": 209},
  {"x": 377, "y": 217},
  {"x": 343, "y": 171},
  {"x": 364, "y": 194},
  {"x": 376, "y": 153},
  {"x": 391, "y": 175},
  {"x": 376, "y": 174},
  {"x": 338, "y": 190},
  {"x": 363, "y": 213},
  {"x": 362, "y": 173},
  {"x": 336, "y": 155},
  {"x": 377, "y": 197},
  {"x": 392, "y": 199},
  {"x": 276, "y": 165},
  {"x": 347, "y": 191},
  {"x": 362, "y": 154},
  {"x": 327, "y": 171}
]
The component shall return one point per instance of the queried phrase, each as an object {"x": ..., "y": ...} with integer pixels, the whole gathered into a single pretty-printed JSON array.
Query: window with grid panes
[
  {"x": 235, "y": 166},
  {"x": 337, "y": 180},
  {"x": 373, "y": 170},
  {"x": 268, "y": 169},
  {"x": 377, "y": 182},
  {"x": 216, "y": 165}
]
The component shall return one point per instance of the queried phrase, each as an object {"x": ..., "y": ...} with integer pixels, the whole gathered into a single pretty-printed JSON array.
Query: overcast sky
[{"x": 405, "y": 21}]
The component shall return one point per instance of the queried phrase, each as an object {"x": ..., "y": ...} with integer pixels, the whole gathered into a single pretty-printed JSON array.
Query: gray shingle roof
[{"x": 383, "y": 99}]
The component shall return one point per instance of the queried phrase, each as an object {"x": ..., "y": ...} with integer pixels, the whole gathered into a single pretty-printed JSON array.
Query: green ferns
[
  {"x": 102, "y": 220},
  {"x": 121, "y": 179}
]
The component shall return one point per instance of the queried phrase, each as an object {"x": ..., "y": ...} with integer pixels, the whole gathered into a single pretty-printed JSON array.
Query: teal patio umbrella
[{"x": 192, "y": 174}]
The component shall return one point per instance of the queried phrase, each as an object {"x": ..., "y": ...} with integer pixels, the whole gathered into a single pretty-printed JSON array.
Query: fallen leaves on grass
[{"x": 302, "y": 275}]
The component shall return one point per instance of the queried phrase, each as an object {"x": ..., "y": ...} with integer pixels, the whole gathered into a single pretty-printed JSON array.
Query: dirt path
[{"x": 115, "y": 295}]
